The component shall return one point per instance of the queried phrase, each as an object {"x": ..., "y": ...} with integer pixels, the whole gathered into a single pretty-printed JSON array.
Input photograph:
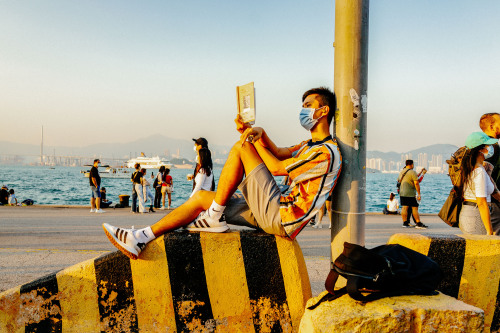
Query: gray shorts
[{"x": 258, "y": 206}]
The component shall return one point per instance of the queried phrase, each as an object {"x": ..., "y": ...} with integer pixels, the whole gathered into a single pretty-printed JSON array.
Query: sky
[{"x": 117, "y": 71}]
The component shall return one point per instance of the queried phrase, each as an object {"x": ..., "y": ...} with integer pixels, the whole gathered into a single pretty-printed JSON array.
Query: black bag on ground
[
  {"x": 384, "y": 271},
  {"x": 450, "y": 211}
]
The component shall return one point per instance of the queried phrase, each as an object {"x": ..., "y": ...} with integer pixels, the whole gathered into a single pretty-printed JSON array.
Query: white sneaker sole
[
  {"x": 208, "y": 229},
  {"x": 124, "y": 248}
]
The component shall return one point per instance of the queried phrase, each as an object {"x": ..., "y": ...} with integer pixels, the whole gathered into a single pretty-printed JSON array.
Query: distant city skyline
[
  {"x": 434, "y": 165},
  {"x": 117, "y": 71}
]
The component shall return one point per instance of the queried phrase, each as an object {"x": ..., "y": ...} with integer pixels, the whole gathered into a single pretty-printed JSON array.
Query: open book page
[{"x": 246, "y": 102}]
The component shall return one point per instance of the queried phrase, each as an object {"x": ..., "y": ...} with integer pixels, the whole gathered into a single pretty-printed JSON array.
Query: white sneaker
[
  {"x": 205, "y": 223},
  {"x": 124, "y": 240},
  {"x": 162, "y": 208},
  {"x": 99, "y": 211},
  {"x": 317, "y": 225},
  {"x": 92, "y": 210}
]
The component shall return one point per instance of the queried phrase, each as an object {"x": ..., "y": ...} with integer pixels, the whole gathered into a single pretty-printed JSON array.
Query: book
[{"x": 245, "y": 95}]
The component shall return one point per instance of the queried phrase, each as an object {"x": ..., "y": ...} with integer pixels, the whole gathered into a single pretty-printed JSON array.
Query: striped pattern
[
  {"x": 231, "y": 282},
  {"x": 470, "y": 265},
  {"x": 314, "y": 171},
  {"x": 121, "y": 234}
]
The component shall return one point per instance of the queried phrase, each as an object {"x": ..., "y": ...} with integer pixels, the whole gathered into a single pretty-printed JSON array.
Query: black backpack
[{"x": 384, "y": 271}]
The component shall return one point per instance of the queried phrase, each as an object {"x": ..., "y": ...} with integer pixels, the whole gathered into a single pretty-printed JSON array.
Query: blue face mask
[
  {"x": 306, "y": 118},
  {"x": 490, "y": 152}
]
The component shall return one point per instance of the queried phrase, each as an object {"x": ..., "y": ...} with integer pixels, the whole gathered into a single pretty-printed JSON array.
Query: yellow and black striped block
[
  {"x": 470, "y": 265},
  {"x": 183, "y": 282}
]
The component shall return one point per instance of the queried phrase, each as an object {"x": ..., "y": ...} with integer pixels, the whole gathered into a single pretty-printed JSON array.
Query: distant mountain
[
  {"x": 165, "y": 146},
  {"x": 151, "y": 145},
  {"x": 438, "y": 149}
]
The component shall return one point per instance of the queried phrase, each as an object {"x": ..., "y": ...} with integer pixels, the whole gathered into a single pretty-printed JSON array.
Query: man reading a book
[{"x": 313, "y": 167}]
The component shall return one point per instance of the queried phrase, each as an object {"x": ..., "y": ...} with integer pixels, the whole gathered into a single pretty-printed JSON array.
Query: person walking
[
  {"x": 476, "y": 186},
  {"x": 420, "y": 176},
  {"x": 157, "y": 185},
  {"x": 167, "y": 188},
  {"x": 135, "y": 181},
  {"x": 146, "y": 191},
  {"x": 409, "y": 188},
  {"x": 95, "y": 187}
]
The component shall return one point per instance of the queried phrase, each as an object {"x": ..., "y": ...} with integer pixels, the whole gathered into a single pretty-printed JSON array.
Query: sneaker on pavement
[
  {"x": 205, "y": 223},
  {"x": 99, "y": 211},
  {"x": 92, "y": 210},
  {"x": 420, "y": 225},
  {"x": 124, "y": 240},
  {"x": 406, "y": 225},
  {"x": 317, "y": 225}
]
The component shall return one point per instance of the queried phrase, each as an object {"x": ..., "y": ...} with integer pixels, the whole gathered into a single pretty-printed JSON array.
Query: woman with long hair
[
  {"x": 476, "y": 186},
  {"x": 204, "y": 177},
  {"x": 392, "y": 205}
]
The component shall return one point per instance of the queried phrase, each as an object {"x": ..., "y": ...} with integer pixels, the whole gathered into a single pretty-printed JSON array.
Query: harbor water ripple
[{"x": 68, "y": 186}]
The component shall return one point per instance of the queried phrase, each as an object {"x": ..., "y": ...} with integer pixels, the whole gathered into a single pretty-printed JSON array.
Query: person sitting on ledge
[{"x": 313, "y": 167}]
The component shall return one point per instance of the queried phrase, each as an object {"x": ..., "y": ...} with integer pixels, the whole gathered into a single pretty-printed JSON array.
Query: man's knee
[{"x": 203, "y": 197}]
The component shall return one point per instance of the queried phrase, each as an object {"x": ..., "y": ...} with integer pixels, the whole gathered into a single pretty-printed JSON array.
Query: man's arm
[
  {"x": 273, "y": 164},
  {"x": 417, "y": 187},
  {"x": 259, "y": 134}
]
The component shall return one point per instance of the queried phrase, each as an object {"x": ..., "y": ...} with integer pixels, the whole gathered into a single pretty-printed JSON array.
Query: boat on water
[
  {"x": 154, "y": 162},
  {"x": 111, "y": 172}
]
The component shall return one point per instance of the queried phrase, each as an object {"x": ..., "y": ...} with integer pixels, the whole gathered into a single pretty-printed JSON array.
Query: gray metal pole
[{"x": 350, "y": 84}]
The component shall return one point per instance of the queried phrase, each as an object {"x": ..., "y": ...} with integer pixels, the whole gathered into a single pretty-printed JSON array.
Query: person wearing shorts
[
  {"x": 313, "y": 167},
  {"x": 95, "y": 188},
  {"x": 410, "y": 187}
]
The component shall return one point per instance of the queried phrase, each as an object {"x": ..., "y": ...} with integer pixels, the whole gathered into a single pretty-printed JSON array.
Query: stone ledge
[{"x": 438, "y": 313}]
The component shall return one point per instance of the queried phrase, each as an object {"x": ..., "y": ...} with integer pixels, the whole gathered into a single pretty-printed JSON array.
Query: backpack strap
[
  {"x": 353, "y": 291},
  {"x": 404, "y": 174}
]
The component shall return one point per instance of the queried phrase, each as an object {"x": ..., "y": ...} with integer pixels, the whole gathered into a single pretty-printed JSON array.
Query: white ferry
[{"x": 154, "y": 162}]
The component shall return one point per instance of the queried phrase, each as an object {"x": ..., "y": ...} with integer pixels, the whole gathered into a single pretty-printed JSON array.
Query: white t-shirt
[
  {"x": 12, "y": 199},
  {"x": 393, "y": 205},
  {"x": 480, "y": 185},
  {"x": 203, "y": 182}
]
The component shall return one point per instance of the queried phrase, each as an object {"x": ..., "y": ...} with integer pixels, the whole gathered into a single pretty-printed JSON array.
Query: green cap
[{"x": 477, "y": 139}]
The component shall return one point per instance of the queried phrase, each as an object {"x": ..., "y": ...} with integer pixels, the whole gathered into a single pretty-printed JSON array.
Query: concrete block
[
  {"x": 470, "y": 265},
  {"x": 438, "y": 313},
  {"x": 183, "y": 282}
]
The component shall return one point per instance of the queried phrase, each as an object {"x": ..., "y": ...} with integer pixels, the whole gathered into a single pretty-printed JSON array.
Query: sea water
[{"x": 68, "y": 186}]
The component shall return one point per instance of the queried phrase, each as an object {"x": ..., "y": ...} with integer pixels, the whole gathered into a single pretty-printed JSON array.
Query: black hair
[
  {"x": 167, "y": 171},
  {"x": 409, "y": 162},
  {"x": 325, "y": 97},
  {"x": 162, "y": 169},
  {"x": 11, "y": 191},
  {"x": 467, "y": 166},
  {"x": 137, "y": 166},
  {"x": 97, "y": 160},
  {"x": 391, "y": 196},
  {"x": 205, "y": 160}
]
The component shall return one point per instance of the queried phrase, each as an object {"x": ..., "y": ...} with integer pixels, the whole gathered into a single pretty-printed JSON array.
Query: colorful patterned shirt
[{"x": 313, "y": 169}]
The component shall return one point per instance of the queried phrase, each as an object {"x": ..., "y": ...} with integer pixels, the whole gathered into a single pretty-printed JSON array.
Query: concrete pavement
[{"x": 39, "y": 240}]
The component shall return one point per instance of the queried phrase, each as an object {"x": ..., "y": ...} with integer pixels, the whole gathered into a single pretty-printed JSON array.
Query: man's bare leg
[
  {"x": 92, "y": 203},
  {"x": 404, "y": 213},
  {"x": 414, "y": 210},
  {"x": 242, "y": 160}
]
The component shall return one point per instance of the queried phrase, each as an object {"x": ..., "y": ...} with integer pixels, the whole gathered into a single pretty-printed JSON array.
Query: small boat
[{"x": 154, "y": 162}]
